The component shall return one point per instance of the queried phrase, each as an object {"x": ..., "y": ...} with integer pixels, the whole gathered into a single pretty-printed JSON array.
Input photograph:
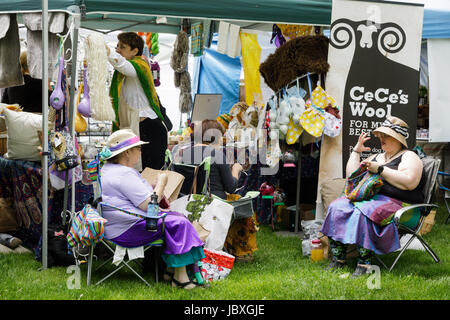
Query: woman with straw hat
[
  {"x": 368, "y": 224},
  {"x": 123, "y": 187}
]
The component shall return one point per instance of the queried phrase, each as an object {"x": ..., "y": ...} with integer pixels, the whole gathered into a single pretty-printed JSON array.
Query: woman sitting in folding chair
[
  {"x": 368, "y": 224},
  {"x": 224, "y": 177},
  {"x": 123, "y": 187}
]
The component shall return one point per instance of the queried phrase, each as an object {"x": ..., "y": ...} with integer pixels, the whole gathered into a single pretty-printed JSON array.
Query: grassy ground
[{"x": 278, "y": 272}]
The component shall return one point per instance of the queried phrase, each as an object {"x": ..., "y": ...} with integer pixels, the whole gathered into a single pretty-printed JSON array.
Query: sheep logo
[{"x": 377, "y": 85}]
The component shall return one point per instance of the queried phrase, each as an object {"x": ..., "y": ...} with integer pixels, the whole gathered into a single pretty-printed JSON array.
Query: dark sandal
[
  {"x": 177, "y": 284},
  {"x": 334, "y": 265},
  {"x": 359, "y": 271}
]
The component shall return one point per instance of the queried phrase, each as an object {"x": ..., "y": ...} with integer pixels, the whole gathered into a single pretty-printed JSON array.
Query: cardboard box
[
  {"x": 174, "y": 181},
  {"x": 307, "y": 211},
  {"x": 2, "y": 124}
]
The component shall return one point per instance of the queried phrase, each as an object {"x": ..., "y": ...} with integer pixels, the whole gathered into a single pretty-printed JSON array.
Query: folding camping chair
[
  {"x": 430, "y": 167},
  {"x": 111, "y": 247},
  {"x": 446, "y": 191}
]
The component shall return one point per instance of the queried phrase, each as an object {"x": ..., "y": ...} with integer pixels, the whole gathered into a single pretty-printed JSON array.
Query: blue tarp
[
  {"x": 218, "y": 73},
  {"x": 436, "y": 24}
]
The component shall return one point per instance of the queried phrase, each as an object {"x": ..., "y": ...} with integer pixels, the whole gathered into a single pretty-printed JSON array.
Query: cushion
[
  {"x": 331, "y": 190},
  {"x": 23, "y": 138}
]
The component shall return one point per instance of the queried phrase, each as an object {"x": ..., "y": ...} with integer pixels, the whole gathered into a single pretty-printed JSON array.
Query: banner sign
[{"x": 374, "y": 58}]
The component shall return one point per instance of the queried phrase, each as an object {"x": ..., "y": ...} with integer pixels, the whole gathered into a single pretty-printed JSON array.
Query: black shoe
[
  {"x": 334, "y": 265},
  {"x": 360, "y": 270}
]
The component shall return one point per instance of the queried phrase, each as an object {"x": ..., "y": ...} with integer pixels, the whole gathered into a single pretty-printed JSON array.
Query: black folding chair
[{"x": 431, "y": 168}]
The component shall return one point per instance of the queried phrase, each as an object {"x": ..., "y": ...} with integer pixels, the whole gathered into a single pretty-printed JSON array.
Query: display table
[{"x": 22, "y": 182}]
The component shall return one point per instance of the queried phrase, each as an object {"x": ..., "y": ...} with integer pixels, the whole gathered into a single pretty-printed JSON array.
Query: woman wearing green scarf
[{"x": 135, "y": 101}]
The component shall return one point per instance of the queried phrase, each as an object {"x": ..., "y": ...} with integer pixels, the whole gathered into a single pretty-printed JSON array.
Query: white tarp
[{"x": 439, "y": 93}]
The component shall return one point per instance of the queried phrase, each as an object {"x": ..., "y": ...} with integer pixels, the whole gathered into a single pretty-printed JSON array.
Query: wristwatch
[{"x": 380, "y": 169}]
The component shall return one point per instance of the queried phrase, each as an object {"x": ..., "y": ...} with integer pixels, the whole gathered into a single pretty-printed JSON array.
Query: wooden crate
[{"x": 3, "y": 143}]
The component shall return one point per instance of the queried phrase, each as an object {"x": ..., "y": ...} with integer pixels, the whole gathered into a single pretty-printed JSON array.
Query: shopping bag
[
  {"x": 87, "y": 227},
  {"x": 212, "y": 214},
  {"x": 63, "y": 150},
  {"x": 362, "y": 185},
  {"x": 216, "y": 265},
  {"x": 174, "y": 181}
]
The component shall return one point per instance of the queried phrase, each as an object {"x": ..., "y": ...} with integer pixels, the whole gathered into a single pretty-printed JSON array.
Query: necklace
[{"x": 386, "y": 159}]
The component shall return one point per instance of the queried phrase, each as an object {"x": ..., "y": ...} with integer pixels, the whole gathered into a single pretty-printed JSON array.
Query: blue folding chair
[
  {"x": 110, "y": 246},
  {"x": 446, "y": 191},
  {"x": 94, "y": 171}
]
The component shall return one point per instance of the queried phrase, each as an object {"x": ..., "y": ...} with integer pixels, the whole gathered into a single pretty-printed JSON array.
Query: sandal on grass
[
  {"x": 335, "y": 264},
  {"x": 184, "y": 285}
]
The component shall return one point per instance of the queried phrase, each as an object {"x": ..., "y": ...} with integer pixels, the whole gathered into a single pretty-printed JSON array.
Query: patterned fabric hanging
[{"x": 292, "y": 31}]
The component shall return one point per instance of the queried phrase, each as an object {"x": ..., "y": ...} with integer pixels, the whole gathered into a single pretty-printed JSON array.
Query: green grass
[{"x": 278, "y": 272}]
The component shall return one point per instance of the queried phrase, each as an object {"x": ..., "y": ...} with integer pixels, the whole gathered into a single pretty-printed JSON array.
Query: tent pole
[
  {"x": 73, "y": 85},
  {"x": 299, "y": 169},
  {"x": 44, "y": 133}
]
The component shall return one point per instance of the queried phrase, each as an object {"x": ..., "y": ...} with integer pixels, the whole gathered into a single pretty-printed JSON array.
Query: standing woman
[{"x": 135, "y": 101}]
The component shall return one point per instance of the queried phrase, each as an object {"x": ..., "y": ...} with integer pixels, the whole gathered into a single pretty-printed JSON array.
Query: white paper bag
[{"x": 215, "y": 217}]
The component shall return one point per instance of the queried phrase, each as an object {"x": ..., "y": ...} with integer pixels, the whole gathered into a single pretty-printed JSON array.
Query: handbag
[
  {"x": 87, "y": 227},
  {"x": 212, "y": 214},
  {"x": 216, "y": 265},
  {"x": 63, "y": 145},
  {"x": 362, "y": 185}
]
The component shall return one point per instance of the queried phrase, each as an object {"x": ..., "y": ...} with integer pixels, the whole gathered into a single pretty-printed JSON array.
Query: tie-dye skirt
[{"x": 366, "y": 223}]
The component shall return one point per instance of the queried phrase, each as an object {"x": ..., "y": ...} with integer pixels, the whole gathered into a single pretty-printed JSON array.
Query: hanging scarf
[{"x": 145, "y": 78}]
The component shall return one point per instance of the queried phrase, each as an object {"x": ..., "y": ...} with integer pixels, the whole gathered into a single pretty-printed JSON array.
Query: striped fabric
[
  {"x": 197, "y": 39},
  {"x": 87, "y": 227},
  {"x": 362, "y": 185}
]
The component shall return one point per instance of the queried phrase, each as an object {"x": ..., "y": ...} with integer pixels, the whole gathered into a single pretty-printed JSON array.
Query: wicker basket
[{"x": 428, "y": 223}]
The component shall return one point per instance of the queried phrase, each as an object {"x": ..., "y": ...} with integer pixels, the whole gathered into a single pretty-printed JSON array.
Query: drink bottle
[{"x": 152, "y": 213}]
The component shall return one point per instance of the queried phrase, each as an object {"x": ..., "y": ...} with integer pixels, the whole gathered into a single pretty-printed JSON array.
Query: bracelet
[{"x": 356, "y": 151}]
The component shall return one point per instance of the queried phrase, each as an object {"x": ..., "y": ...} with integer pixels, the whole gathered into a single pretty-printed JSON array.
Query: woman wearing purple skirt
[
  {"x": 123, "y": 187},
  {"x": 368, "y": 224}
]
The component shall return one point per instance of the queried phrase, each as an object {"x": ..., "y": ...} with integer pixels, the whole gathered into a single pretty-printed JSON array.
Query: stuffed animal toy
[
  {"x": 251, "y": 116},
  {"x": 182, "y": 79},
  {"x": 283, "y": 114},
  {"x": 238, "y": 110},
  {"x": 298, "y": 107}
]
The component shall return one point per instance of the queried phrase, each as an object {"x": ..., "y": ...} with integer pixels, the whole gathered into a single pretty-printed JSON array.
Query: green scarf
[{"x": 145, "y": 78}]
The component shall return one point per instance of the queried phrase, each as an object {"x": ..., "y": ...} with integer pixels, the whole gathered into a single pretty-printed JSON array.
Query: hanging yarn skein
[
  {"x": 178, "y": 62},
  {"x": 97, "y": 78}
]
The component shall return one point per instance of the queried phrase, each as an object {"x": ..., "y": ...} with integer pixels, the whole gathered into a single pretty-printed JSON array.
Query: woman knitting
[
  {"x": 368, "y": 223},
  {"x": 135, "y": 101},
  {"x": 123, "y": 187}
]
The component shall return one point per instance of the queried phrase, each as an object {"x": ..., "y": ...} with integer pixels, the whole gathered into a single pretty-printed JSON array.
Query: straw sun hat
[
  {"x": 118, "y": 142},
  {"x": 396, "y": 128}
]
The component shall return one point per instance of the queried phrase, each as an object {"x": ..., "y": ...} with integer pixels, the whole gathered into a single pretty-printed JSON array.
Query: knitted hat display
[
  {"x": 224, "y": 120},
  {"x": 295, "y": 58}
]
